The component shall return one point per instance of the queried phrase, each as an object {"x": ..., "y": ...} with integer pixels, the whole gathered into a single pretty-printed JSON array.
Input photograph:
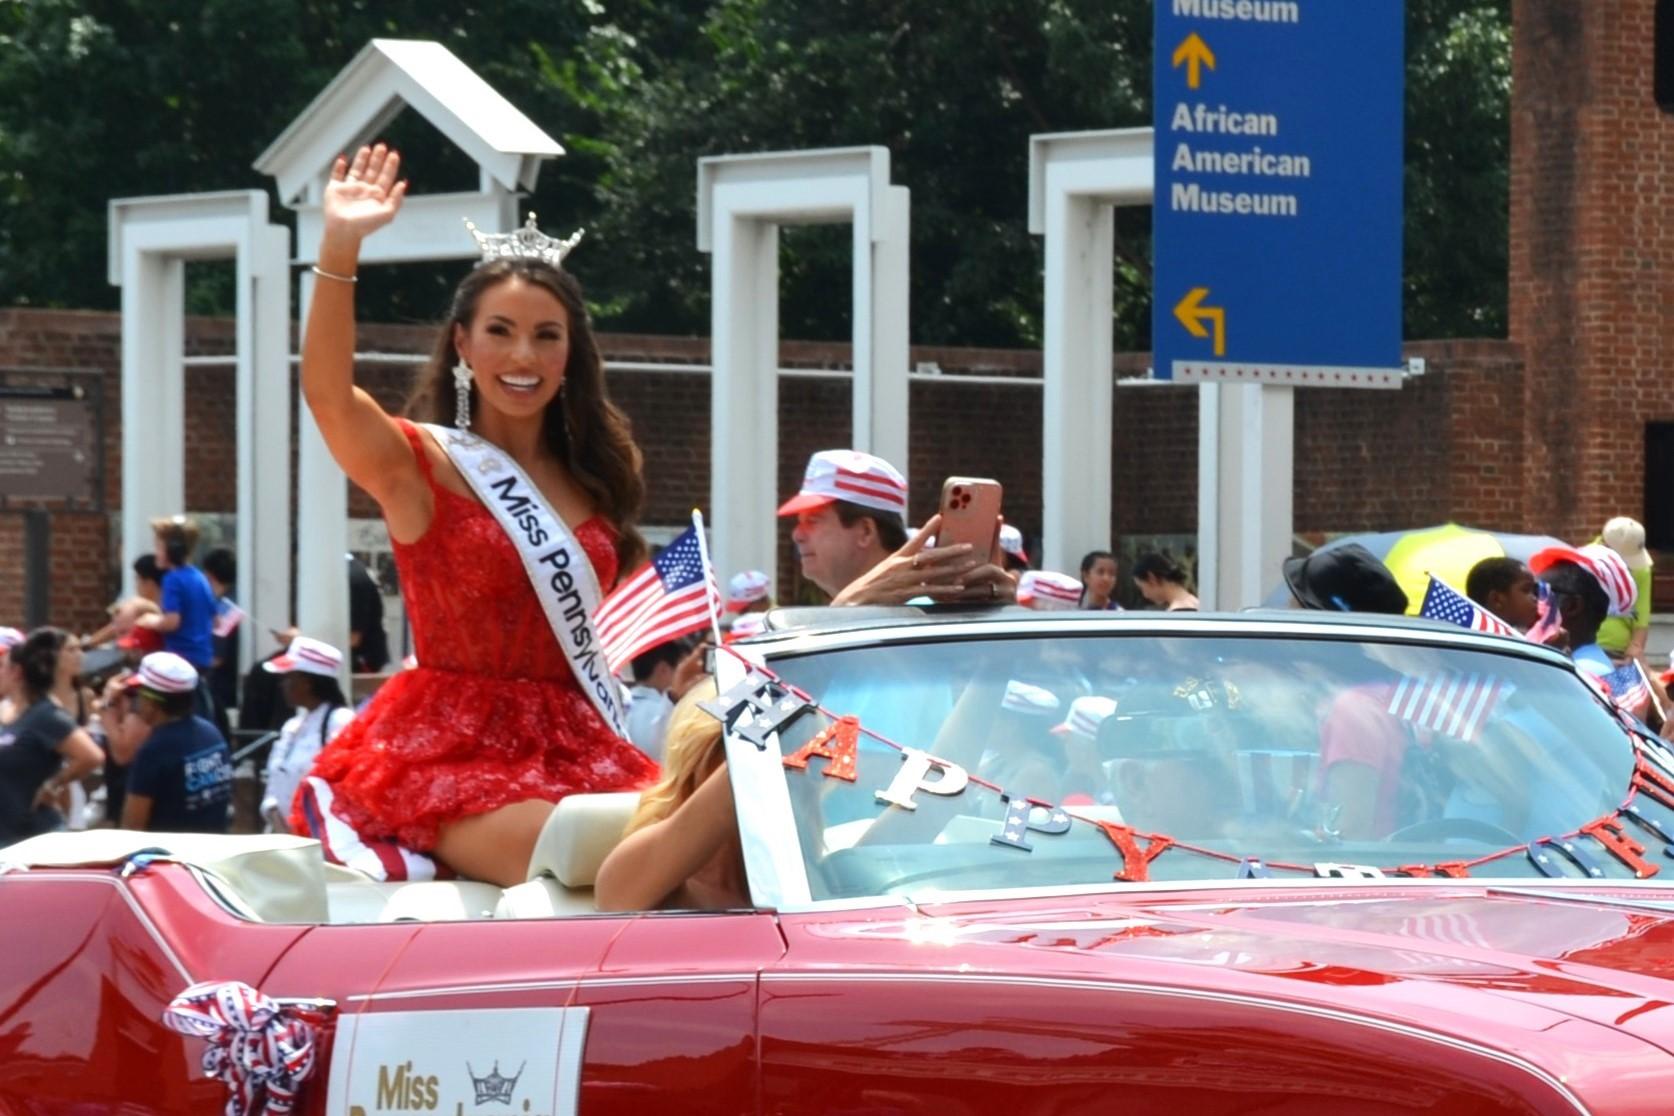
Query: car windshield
[{"x": 1082, "y": 759}]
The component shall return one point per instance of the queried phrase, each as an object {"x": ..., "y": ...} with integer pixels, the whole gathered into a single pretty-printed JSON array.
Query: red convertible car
[{"x": 998, "y": 862}]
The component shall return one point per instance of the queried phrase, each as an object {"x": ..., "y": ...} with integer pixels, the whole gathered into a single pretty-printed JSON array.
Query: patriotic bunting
[
  {"x": 763, "y": 704},
  {"x": 260, "y": 1051}
]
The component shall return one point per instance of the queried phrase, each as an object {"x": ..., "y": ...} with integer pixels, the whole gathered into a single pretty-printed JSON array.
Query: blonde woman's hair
[{"x": 692, "y": 753}]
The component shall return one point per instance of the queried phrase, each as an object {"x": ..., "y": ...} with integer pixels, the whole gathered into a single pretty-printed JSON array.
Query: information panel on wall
[
  {"x": 1277, "y": 214},
  {"x": 49, "y": 445}
]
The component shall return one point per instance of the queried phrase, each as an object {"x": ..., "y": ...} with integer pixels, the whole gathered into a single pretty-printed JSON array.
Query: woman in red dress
[{"x": 462, "y": 758}]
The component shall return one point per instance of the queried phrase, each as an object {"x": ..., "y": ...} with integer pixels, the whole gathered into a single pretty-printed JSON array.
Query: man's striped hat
[
  {"x": 850, "y": 475},
  {"x": 166, "y": 673}
]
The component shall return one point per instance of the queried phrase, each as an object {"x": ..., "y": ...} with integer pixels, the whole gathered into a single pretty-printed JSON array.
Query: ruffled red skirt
[{"x": 435, "y": 746}]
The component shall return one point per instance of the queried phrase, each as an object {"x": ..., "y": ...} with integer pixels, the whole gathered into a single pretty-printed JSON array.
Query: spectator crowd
[{"x": 146, "y": 722}]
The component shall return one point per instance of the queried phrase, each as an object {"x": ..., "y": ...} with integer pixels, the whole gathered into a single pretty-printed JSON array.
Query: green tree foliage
[
  {"x": 116, "y": 98},
  {"x": 1458, "y": 166}
]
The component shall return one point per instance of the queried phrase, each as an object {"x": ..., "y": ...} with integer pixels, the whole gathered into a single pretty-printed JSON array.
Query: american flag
[
  {"x": 1449, "y": 702},
  {"x": 228, "y": 616},
  {"x": 1443, "y": 602},
  {"x": 1628, "y": 689},
  {"x": 672, "y": 596}
]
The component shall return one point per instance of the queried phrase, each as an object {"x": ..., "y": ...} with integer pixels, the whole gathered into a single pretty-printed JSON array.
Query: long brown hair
[{"x": 582, "y": 427}]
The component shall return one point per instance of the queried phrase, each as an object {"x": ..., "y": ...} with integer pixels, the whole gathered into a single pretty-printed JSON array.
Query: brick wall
[
  {"x": 1448, "y": 446},
  {"x": 1592, "y": 253}
]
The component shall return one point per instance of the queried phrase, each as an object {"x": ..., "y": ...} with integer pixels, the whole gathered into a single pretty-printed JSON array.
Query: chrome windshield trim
[
  {"x": 1240, "y": 625},
  {"x": 1485, "y": 885}
]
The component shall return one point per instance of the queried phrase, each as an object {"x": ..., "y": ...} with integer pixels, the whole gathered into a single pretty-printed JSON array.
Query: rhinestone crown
[{"x": 526, "y": 243}]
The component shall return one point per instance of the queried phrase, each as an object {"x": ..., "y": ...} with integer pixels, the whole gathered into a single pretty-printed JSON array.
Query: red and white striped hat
[
  {"x": 1047, "y": 591},
  {"x": 1030, "y": 700},
  {"x": 1011, "y": 541},
  {"x": 747, "y": 625},
  {"x": 10, "y": 638},
  {"x": 307, "y": 656},
  {"x": 166, "y": 673},
  {"x": 1607, "y": 567},
  {"x": 850, "y": 475},
  {"x": 746, "y": 589},
  {"x": 1085, "y": 716}
]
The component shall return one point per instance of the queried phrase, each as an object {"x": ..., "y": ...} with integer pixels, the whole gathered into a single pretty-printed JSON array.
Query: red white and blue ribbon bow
[{"x": 260, "y": 1050}]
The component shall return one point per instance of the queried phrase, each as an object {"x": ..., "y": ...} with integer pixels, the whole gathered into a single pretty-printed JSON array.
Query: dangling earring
[{"x": 462, "y": 395}]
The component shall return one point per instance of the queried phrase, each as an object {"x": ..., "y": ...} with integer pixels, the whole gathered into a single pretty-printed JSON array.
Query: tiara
[{"x": 526, "y": 243}]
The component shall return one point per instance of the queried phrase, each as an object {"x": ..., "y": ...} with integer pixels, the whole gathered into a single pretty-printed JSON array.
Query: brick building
[{"x": 1553, "y": 430}]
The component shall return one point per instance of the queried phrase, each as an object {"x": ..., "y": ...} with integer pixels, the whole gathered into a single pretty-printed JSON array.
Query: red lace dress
[{"x": 492, "y": 714}]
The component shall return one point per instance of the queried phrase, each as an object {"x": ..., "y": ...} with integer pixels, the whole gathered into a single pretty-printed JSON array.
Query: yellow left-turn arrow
[{"x": 1193, "y": 314}]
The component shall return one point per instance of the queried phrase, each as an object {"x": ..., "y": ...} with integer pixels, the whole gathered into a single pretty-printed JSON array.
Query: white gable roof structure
[{"x": 385, "y": 77}]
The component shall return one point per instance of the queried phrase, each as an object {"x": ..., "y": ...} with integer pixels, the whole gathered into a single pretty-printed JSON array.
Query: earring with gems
[{"x": 462, "y": 395}]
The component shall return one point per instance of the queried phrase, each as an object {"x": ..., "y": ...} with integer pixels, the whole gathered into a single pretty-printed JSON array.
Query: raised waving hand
[{"x": 364, "y": 195}]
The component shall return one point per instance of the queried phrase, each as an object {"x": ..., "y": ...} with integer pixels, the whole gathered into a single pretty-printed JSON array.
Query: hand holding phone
[{"x": 970, "y": 512}]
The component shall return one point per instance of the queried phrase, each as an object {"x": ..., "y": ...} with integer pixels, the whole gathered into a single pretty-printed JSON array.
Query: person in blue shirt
[
  {"x": 181, "y": 780},
  {"x": 189, "y": 605}
]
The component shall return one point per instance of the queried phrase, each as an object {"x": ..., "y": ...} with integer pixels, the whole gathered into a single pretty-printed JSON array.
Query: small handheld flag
[
  {"x": 674, "y": 595},
  {"x": 1443, "y": 602}
]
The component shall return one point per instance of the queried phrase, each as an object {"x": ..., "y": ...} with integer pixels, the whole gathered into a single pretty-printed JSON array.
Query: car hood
[{"x": 1434, "y": 954}]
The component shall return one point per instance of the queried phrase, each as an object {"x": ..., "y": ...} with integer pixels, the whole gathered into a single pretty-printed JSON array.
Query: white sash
[{"x": 558, "y": 568}]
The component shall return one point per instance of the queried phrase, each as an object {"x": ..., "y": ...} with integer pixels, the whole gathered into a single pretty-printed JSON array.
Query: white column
[
  {"x": 1208, "y": 495},
  {"x": 264, "y": 567},
  {"x": 744, "y": 393},
  {"x": 880, "y": 398},
  {"x": 153, "y": 397},
  {"x": 1252, "y": 521},
  {"x": 1077, "y": 365},
  {"x": 322, "y": 526}
]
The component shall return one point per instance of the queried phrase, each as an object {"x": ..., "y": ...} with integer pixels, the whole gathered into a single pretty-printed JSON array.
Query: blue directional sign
[{"x": 1277, "y": 214}]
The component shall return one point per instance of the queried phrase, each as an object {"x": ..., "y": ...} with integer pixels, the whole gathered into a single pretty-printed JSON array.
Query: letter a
[{"x": 838, "y": 744}]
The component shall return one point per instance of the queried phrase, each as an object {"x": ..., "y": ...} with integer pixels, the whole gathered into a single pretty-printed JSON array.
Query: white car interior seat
[{"x": 574, "y": 842}]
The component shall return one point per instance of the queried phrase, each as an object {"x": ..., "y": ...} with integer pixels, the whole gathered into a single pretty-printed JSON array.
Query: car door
[{"x": 601, "y": 1014}]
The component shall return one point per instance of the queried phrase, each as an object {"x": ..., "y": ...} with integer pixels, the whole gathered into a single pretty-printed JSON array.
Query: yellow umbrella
[{"x": 1448, "y": 551}]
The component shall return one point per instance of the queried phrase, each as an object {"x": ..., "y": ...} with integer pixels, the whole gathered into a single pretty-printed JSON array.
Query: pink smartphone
[{"x": 970, "y": 513}]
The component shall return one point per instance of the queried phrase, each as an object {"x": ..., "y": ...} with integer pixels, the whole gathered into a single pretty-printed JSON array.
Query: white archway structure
[
  {"x": 742, "y": 200},
  {"x": 387, "y": 76},
  {"x": 150, "y": 241},
  {"x": 1076, "y": 179},
  {"x": 1245, "y": 431}
]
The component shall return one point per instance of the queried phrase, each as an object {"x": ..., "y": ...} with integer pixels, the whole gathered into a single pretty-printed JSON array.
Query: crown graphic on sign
[{"x": 494, "y": 1087}]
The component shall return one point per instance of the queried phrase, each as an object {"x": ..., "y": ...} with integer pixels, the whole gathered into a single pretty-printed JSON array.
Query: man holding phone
[{"x": 851, "y": 536}]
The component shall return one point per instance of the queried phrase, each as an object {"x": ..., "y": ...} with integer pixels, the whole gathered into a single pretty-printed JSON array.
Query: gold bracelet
[{"x": 324, "y": 274}]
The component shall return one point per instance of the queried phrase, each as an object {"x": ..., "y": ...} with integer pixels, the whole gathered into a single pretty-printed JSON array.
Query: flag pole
[
  {"x": 1656, "y": 704},
  {"x": 713, "y": 590}
]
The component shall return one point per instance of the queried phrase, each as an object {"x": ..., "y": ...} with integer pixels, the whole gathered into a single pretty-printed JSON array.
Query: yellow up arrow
[
  {"x": 1195, "y": 54},
  {"x": 1192, "y": 314}
]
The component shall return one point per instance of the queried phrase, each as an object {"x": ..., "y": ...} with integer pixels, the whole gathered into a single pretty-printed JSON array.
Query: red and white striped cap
[
  {"x": 1085, "y": 716},
  {"x": 850, "y": 475},
  {"x": 746, "y": 589},
  {"x": 1047, "y": 591},
  {"x": 10, "y": 638},
  {"x": 1030, "y": 700},
  {"x": 1606, "y": 566},
  {"x": 747, "y": 625},
  {"x": 166, "y": 673},
  {"x": 307, "y": 656},
  {"x": 1011, "y": 541}
]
